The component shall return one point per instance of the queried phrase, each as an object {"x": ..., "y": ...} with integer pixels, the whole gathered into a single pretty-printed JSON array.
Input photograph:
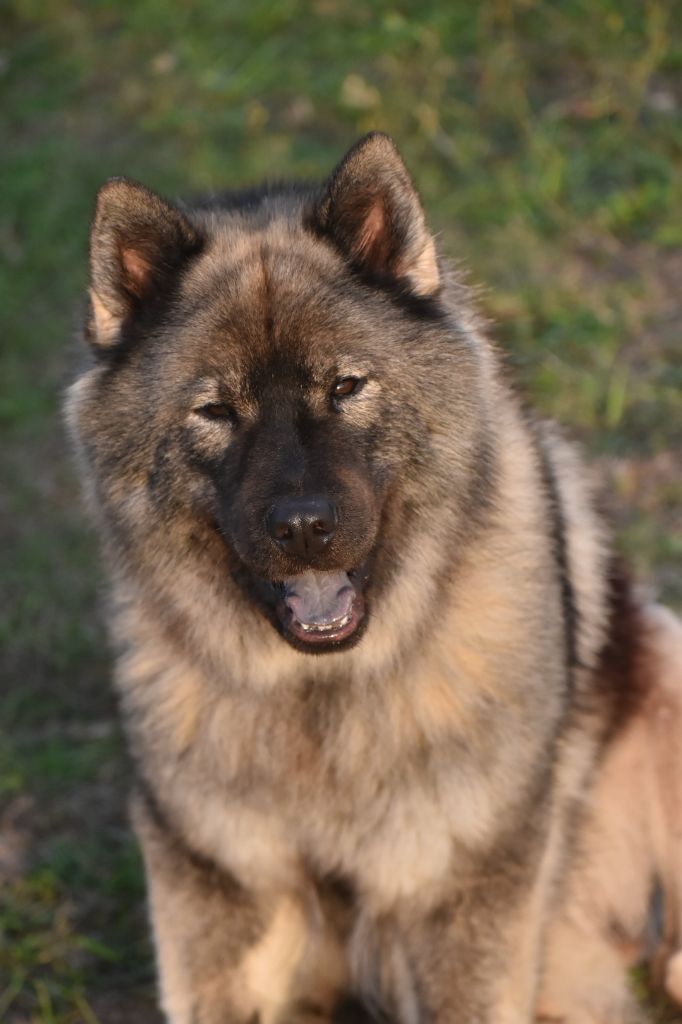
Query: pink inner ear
[
  {"x": 373, "y": 228},
  {"x": 137, "y": 270}
]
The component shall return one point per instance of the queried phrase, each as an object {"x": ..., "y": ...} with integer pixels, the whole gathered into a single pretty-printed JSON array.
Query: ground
[{"x": 544, "y": 138}]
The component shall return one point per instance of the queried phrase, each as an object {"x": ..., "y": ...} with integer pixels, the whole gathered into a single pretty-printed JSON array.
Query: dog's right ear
[{"x": 138, "y": 244}]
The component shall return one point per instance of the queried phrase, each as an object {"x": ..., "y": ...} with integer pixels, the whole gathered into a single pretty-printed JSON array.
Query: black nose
[{"x": 302, "y": 526}]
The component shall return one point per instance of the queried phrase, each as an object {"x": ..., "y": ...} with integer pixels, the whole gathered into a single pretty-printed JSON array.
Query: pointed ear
[
  {"x": 138, "y": 243},
  {"x": 372, "y": 212}
]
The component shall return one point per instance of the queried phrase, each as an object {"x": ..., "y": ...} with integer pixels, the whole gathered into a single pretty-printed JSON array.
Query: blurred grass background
[{"x": 546, "y": 139}]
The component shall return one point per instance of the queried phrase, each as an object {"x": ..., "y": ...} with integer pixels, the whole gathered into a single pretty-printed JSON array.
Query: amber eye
[
  {"x": 347, "y": 386},
  {"x": 218, "y": 411}
]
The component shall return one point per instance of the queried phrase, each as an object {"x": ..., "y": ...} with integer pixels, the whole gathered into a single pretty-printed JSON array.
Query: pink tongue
[{"x": 319, "y": 598}]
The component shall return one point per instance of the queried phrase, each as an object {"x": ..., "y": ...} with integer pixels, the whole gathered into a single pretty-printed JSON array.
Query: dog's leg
[
  {"x": 471, "y": 959},
  {"x": 474, "y": 956},
  {"x": 598, "y": 926},
  {"x": 457, "y": 965},
  {"x": 585, "y": 980},
  {"x": 629, "y": 846},
  {"x": 664, "y": 714},
  {"x": 599, "y": 922},
  {"x": 224, "y": 957}
]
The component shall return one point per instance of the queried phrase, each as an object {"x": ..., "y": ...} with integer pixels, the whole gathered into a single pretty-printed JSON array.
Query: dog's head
[{"x": 282, "y": 394}]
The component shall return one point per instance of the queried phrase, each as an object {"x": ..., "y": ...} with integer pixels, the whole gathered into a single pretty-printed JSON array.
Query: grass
[{"x": 546, "y": 140}]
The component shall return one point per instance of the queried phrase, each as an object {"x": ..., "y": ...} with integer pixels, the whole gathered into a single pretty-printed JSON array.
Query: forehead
[{"x": 277, "y": 293}]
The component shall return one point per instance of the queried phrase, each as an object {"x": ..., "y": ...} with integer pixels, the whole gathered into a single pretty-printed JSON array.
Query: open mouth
[{"x": 321, "y": 610}]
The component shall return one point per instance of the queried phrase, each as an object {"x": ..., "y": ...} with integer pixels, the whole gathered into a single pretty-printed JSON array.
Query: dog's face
[{"x": 276, "y": 389}]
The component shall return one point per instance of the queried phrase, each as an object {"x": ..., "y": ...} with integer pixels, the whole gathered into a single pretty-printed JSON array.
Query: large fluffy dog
[{"x": 372, "y": 641}]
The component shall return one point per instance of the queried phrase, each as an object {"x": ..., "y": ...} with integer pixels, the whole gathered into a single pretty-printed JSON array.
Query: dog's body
[{"x": 366, "y": 609}]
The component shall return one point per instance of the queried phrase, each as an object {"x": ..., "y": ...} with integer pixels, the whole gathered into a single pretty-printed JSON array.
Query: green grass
[{"x": 546, "y": 140}]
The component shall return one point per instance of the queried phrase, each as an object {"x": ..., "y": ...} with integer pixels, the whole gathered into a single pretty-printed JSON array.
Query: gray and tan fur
[
  {"x": 368, "y": 811},
  {"x": 622, "y": 903}
]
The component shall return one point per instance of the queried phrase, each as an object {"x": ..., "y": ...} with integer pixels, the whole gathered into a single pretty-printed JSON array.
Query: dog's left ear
[{"x": 371, "y": 211}]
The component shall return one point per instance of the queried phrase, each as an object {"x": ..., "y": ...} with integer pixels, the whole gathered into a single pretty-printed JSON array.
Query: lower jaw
[
  {"x": 269, "y": 595},
  {"x": 338, "y": 637}
]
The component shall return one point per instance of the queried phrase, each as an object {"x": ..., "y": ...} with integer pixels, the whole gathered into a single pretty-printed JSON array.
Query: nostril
[{"x": 302, "y": 526}]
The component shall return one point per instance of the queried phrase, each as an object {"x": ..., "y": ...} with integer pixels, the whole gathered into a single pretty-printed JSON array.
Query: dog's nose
[{"x": 302, "y": 526}]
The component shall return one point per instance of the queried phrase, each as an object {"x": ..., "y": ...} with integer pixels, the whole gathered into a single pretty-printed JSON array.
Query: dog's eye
[
  {"x": 347, "y": 386},
  {"x": 218, "y": 411}
]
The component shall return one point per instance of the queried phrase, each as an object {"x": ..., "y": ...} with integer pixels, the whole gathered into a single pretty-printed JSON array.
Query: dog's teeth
[{"x": 315, "y": 627}]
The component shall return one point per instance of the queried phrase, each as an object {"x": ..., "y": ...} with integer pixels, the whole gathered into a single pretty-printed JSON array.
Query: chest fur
[{"x": 384, "y": 785}]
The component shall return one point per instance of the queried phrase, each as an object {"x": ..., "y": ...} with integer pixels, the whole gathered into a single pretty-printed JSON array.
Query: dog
[{"x": 373, "y": 642}]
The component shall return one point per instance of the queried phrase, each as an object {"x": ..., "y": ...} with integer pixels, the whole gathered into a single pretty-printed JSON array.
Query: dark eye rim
[
  {"x": 216, "y": 411},
  {"x": 353, "y": 384}
]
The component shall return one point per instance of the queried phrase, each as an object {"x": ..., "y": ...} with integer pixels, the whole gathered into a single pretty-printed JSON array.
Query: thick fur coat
[{"x": 365, "y": 609}]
